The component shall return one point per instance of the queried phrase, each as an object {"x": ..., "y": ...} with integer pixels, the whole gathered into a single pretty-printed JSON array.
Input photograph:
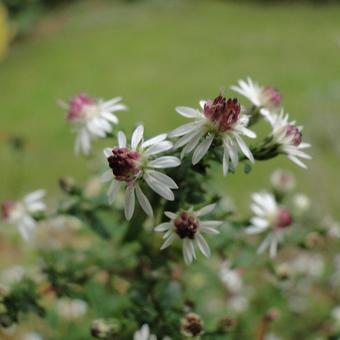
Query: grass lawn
[{"x": 158, "y": 55}]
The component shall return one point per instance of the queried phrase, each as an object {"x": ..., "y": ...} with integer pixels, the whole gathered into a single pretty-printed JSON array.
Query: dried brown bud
[{"x": 192, "y": 325}]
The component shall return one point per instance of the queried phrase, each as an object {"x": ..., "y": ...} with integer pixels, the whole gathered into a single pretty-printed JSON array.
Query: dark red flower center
[
  {"x": 77, "y": 104},
  {"x": 283, "y": 218},
  {"x": 186, "y": 225},
  {"x": 124, "y": 163},
  {"x": 6, "y": 209},
  {"x": 224, "y": 113},
  {"x": 272, "y": 96},
  {"x": 295, "y": 133}
]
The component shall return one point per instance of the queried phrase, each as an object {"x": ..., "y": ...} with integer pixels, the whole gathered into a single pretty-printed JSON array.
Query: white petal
[
  {"x": 83, "y": 141},
  {"x": 106, "y": 176},
  {"x": 143, "y": 201},
  {"x": 165, "y": 162},
  {"x": 129, "y": 206},
  {"x": 27, "y": 227},
  {"x": 154, "y": 140},
  {"x": 163, "y": 227},
  {"x": 202, "y": 245},
  {"x": 107, "y": 152},
  {"x": 297, "y": 162},
  {"x": 170, "y": 215},
  {"x": 212, "y": 224},
  {"x": 158, "y": 148},
  {"x": 160, "y": 177},
  {"x": 113, "y": 190},
  {"x": 36, "y": 206},
  {"x": 137, "y": 136},
  {"x": 191, "y": 145},
  {"x": 188, "y": 112},
  {"x": 159, "y": 188},
  {"x": 273, "y": 247},
  {"x": 225, "y": 161},
  {"x": 264, "y": 244},
  {"x": 111, "y": 102},
  {"x": 189, "y": 137},
  {"x": 202, "y": 103},
  {"x": 244, "y": 148},
  {"x": 184, "y": 129},
  {"x": 110, "y": 117},
  {"x": 34, "y": 196},
  {"x": 121, "y": 139},
  {"x": 209, "y": 230},
  {"x": 206, "y": 210},
  {"x": 168, "y": 241},
  {"x": 233, "y": 154},
  {"x": 202, "y": 149},
  {"x": 187, "y": 251}
]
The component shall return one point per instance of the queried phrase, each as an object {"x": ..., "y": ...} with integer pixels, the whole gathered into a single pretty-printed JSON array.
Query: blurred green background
[{"x": 158, "y": 55}]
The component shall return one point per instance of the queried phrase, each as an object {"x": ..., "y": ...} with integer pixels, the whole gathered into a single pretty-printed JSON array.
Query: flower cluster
[{"x": 163, "y": 185}]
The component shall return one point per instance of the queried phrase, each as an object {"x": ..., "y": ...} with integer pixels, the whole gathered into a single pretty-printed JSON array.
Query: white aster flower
[
  {"x": 144, "y": 334},
  {"x": 288, "y": 137},
  {"x": 269, "y": 217},
  {"x": 20, "y": 213},
  {"x": 91, "y": 118},
  {"x": 136, "y": 164},
  {"x": 301, "y": 202},
  {"x": 220, "y": 121},
  {"x": 282, "y": 181},
  {"x": 187, "y": 226},
  {"x": 71, "y": 309},
  {"x": 267, "y": 99},
  {"x": 231, "y": 278}
]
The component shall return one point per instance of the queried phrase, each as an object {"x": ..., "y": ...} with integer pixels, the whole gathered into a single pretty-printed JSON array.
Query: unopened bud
[
  {"x": 313, "y": 240},
  {"x": 272, "y": 314},
  {"x": 67, "y": 184},
  {"x": 192, "y": 325},
  {"x": 226, "y": 324},
  {"x": 283, "y": 271}
]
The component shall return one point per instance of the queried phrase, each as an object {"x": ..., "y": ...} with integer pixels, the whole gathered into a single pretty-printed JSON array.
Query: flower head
[
  {"x": 192, "y": 325},
  {"x": 136, "y": 164},
  {"x": 288, "y": 137},
  {"x": 92, "y": 118},
  {"x": 187, "y": 226},
  {"x": 269, "y": 216},
  {"x": 221, "y": 121},
  {"x": 20, "y": 212},
  {"x": 282, "y": 181},
  {"x": 267, "y": 99}
]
